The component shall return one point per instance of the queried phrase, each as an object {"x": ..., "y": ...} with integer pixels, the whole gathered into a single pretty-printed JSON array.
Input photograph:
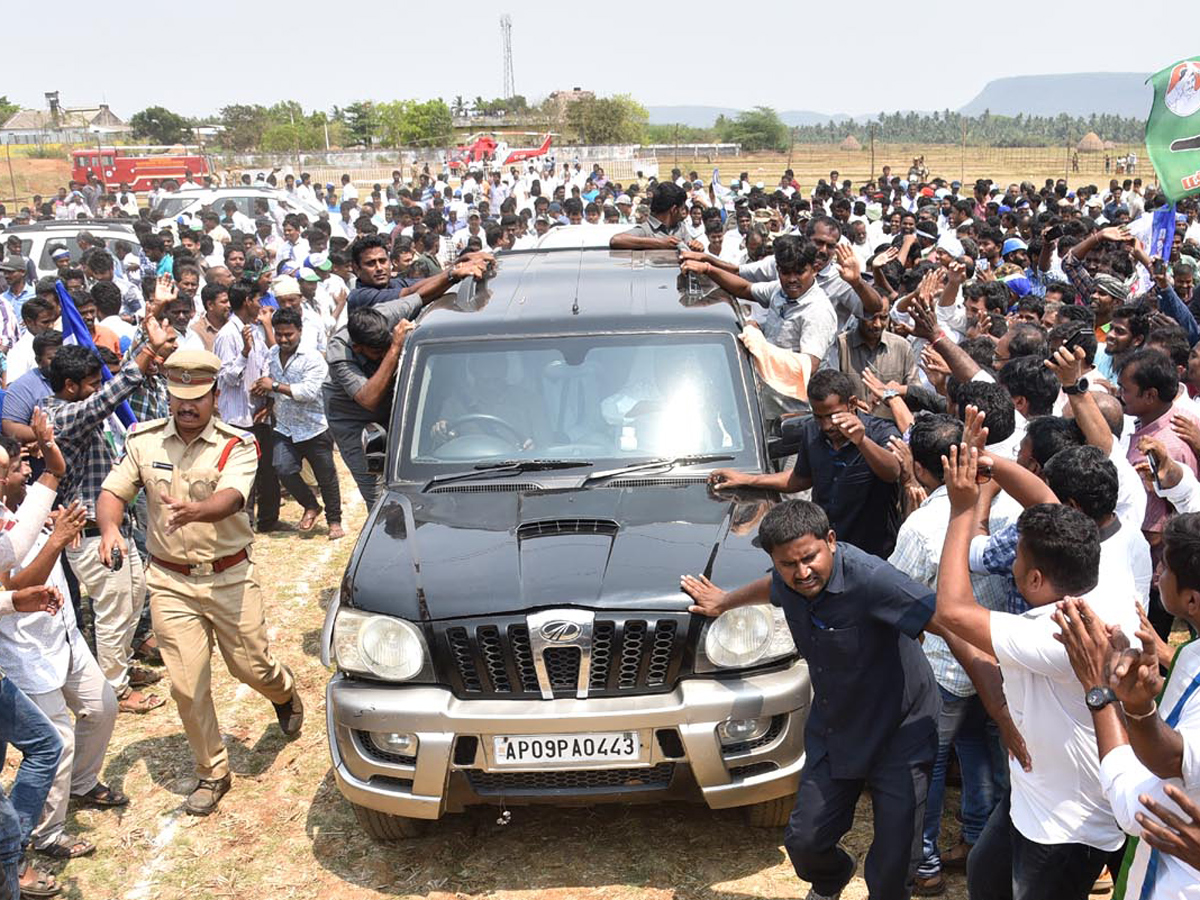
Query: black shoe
[
  {"x": 206, "y": 795},
  {"x": 290, "y": 713}
]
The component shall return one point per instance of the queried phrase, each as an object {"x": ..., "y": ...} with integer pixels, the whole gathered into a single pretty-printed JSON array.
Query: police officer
[
  {"x": 197, "y": 473},
  {"x": 875, "y": 703}
]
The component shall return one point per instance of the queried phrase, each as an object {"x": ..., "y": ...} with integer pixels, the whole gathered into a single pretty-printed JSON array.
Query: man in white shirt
[
  {"x": 1056, "y": 833},
  {"x": 349, "y": 191}
]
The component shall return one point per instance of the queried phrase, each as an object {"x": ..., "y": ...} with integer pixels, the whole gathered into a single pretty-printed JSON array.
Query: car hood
[{"x": 470, "y": 553}]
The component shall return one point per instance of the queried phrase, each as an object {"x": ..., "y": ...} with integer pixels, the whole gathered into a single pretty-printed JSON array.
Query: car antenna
[{"x": 578, "y": 278}]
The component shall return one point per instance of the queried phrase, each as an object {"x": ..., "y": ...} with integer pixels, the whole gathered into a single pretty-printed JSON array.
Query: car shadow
[{"x": 544, "y": 848}]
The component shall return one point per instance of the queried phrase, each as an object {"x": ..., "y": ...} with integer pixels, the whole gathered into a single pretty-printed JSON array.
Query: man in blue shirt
[
  {"x": 19, "y": 290},
  {"x": 28, "y": 391},
  {"x": 856, "y": 619}
]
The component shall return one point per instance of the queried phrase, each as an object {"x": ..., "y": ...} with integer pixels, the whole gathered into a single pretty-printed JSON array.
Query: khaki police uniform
[{"x": 201, "y": 577}]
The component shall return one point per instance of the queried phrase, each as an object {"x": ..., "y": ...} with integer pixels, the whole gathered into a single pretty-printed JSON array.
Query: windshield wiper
[
  {"x": 669, "y": 462},
  {"x": 507, "y": 467}
]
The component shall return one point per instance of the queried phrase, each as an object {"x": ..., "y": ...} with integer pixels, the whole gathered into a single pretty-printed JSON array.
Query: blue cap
[
  {"x": 1019, "y": 285},
  {"x": 1013, "y": 243}
]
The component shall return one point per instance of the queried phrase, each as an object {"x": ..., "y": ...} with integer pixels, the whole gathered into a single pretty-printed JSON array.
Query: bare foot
[{"x": 335, "y": 532}]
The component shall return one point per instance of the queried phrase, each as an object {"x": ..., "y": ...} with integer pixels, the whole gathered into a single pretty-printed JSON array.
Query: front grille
[
  {"x": 737, "y": 773},
  {"x": 631, "y": 654},
  {"x": 661, "y": 481},
  {"x": 580, "y": 781}
]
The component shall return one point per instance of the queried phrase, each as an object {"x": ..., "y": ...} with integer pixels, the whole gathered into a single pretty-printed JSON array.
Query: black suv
[{"x": 510, "y": 627}]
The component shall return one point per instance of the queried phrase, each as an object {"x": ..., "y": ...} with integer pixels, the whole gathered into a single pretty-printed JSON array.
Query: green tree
[
  {"x": 607, "y": 120},
  {"x": 362, "y": 122},
  {"x": 404, "y": 122},
  {"x": 159, "y": 125},
  {"x": 8, "y": 109},
  {"x": 755, "y": 129},
  {"x": 243, "y": 126}
]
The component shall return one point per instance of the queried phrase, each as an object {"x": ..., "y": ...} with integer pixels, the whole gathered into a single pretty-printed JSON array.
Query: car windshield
[
  {"x": 172, "y": 206},
  {"x": 614, "y": 398}
]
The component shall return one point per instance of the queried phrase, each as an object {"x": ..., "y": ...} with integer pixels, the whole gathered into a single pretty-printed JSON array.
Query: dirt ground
[{"x": 284, "y": 831}]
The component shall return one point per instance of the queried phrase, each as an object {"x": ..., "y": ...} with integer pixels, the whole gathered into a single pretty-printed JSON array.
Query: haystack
[
  {"x": 1090, "y": 143},
  {"x": 850, "y": 143}
]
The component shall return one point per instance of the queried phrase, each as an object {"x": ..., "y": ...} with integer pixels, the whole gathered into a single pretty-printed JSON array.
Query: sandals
[
  {"x": 309, "y": 520},
  {"x": 138, "y": 703},
  {"x": 140, "y": 676},
  {"x": 42, "y": 884},
  {"x": 101, "y": 797},
  {"x": 67, "y": 846}
]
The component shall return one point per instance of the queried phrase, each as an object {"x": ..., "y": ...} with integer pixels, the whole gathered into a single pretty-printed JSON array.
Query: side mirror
[
  {"x": 788, "y": 440},
  {"x": 374, "y": 445}
]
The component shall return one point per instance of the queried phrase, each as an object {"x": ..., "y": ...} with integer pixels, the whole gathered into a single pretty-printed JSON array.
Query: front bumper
[{"x": 681, "y": 753}]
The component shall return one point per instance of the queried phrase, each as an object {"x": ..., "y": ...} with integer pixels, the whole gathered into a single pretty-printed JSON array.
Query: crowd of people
[{"x": 991, "y": 395}]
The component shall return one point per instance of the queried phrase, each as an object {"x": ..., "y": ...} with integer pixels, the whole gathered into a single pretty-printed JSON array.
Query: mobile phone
[
  {"x": 1054, "y": 232},
  {"x": 1158, "y": 267},
  {"x": 117, "y": 559},
  {"x": 1152, "y": 462}
]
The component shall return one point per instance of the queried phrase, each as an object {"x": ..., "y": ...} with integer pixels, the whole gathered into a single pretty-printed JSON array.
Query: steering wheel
[{"x": 494, "y": 423}]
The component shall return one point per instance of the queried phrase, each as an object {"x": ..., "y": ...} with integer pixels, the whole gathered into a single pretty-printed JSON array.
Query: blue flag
[
  {"x": 1162, "y": 231},
  {"x": 75, "y": 331}
]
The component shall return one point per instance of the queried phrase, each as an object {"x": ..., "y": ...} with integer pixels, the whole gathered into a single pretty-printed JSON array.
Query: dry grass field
[{"x": 809, "y": 162}]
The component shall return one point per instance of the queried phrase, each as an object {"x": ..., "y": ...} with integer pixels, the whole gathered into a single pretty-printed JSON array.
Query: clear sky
[{"x": 859, "y": 57}]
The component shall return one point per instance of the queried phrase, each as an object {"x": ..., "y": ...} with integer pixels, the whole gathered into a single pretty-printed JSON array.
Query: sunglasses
[{"x": 983, "y": 474}]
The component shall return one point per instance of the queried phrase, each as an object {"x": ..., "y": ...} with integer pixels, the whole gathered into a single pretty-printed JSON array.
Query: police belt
[{"x": 210, "y": 568}]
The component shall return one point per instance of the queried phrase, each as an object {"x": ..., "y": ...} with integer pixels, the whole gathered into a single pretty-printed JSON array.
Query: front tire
[
  {"x": 770, "y": 813},
  {"x": 387, "y": 828}
]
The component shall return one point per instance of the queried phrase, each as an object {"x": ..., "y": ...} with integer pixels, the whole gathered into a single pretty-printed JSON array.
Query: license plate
[{"x": 570, "y": 749}]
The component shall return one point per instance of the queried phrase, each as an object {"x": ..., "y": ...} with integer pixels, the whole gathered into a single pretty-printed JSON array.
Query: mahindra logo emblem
[{"x": 560, "y": 631}]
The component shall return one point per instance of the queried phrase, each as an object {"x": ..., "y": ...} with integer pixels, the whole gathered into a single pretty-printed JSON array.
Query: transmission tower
[{"x": 506, "y": 39}]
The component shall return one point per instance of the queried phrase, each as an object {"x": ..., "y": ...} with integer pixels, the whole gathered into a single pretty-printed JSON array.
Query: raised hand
[
  {"x": 903, "y": 454},
  {"x": 401, "y": 331},
  {"x": 847, "y": 264},
  {"x": 1067, "y": 365},
  {"x": 1085, "y": 638},
  {"x": 851, "y": 427},
  {"x": 160, "y": 337},
  {"x": 52, "y": 456},
  {"x": 961, "y": 469},
  {"x": 68, "y": 523},
  {"x": 924, "y": 318},
  {"x": 1188, "y": 430},
  {"x": 975, "y": 433}
]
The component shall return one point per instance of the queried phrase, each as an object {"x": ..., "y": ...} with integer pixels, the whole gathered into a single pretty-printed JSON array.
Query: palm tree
[{"x": 458, "y": 108}]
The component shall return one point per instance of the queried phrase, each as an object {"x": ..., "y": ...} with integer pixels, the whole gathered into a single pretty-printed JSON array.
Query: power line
[{"x": 506, "y": 41}]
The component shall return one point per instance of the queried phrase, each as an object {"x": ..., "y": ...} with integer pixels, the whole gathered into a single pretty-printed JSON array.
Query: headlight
[
  {"x": 387, "y": 648},
  {"x": 748, "y": 636}
]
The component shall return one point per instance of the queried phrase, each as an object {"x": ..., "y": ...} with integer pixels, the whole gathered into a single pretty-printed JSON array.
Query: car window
[
  {"x": 243, "y": 204},
  {"x": 603, "y": 397},
  {"x": 169, "y": 207}
]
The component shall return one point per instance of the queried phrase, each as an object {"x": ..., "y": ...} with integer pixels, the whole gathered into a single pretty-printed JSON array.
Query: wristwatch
[
  {"x": 274, "y": 387},
  {"x": 1099, "y": 697},
  {"x": 889, "y": 394},
  {"x": 1079, "y": 387}
]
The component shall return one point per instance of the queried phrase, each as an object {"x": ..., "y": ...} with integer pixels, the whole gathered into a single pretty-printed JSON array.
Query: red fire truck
[{"x": 138, "y": 166}]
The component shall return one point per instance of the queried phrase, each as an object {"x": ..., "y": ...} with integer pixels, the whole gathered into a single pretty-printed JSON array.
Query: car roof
[
  {"x": 579, "y": 236},
  {"x": 72, "y": 225},
  {"x": 579, "y": 291}
]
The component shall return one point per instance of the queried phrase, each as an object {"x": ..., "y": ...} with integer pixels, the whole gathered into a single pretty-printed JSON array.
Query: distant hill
[{"x": 1080, "y": 94}]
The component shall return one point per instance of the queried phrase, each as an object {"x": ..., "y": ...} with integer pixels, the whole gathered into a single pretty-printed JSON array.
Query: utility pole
[
  {"x": 871, "y": 129},
  {"x": 506, "y": 44},
  {"x": 963, "y": 153},
  {"x": 791, "y": 144},
  {"x": 676, "y": 145}
]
